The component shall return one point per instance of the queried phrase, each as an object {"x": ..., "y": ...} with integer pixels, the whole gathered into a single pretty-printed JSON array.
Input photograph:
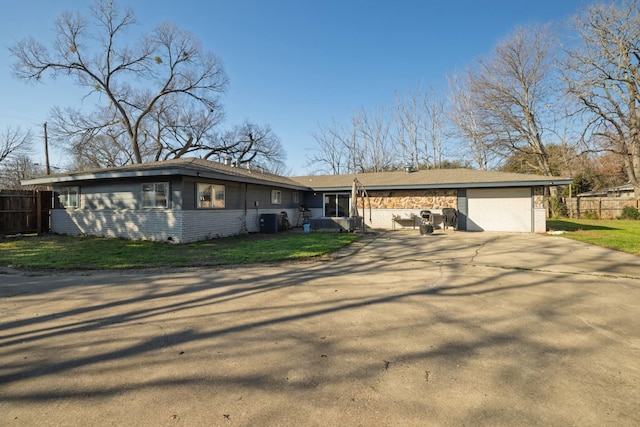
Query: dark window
[{"x": 336, "y": 204}]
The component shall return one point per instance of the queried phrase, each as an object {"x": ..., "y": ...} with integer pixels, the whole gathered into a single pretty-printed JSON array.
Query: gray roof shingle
[
  {"x": 433, "y": 178},
  {"x": 183, "y": 166},
  {"x": 422, "y": 179}
]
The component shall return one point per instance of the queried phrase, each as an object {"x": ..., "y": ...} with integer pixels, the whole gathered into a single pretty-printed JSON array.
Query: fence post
[{"x": 599, "y": 208}]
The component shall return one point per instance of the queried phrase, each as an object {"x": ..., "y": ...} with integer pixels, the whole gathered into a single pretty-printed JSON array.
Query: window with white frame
[
  {"x": 69, "y": 197},
  {"x": 276, "y": 197},
  {"x": 210, "y": 196},
  {"x": 295, "y": 197},
  {"x": 155, "y": 195}
]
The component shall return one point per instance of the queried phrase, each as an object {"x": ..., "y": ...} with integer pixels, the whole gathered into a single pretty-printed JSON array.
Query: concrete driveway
[{"x": 447, "y": 329}]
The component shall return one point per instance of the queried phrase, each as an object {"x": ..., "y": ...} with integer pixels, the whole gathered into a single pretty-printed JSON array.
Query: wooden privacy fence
[
  {"x": 599, "y": 207},
  {"x": 24, "y": 211}
]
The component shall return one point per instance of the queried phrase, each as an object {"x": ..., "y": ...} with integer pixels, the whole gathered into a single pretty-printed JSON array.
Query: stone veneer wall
[
  {"x": 403, "y": 205},
  {"x": 538, "y": 198},
  {"x": 411, "y": 199}
]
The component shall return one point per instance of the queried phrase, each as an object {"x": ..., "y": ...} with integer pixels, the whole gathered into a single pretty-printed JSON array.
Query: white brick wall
[
  {"x": 539, "y": 220},
  {"x": 132, "y": 224},
  {"x": 383, "y": 218},
  {"x": 194, "y": 225},
  {"x": 160, "y": 225},
  {"x": 209, "y": 224}
]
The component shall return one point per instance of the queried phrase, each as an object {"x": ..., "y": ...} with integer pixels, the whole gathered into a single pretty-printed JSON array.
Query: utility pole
[{"x": 46, "y": 150}]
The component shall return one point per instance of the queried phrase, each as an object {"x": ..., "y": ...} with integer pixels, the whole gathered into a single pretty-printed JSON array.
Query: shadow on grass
[
  {"x": 560, "y": 225},
  {"x": 87, "y": 253}
]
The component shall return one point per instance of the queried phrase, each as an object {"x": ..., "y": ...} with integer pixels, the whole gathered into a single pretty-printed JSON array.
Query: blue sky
[{"x": 293, "y": 64}]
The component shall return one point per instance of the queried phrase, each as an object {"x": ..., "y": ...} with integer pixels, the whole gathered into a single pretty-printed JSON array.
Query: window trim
[
  {"x": 155, "y": 191},
  {"x": 215, "y": 194},
  {"x": 295, "y": 197},
  {"x": 276, "y": 197},
  {"x": 336, "y": 196},
  {"x": 64, "y": 197}
]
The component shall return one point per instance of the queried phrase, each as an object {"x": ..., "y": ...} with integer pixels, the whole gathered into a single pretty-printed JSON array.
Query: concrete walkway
[{"x": 401, "y": 329}]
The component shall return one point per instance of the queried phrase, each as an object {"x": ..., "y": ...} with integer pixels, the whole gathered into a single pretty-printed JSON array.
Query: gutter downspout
[{"x": 246, "y": 190}]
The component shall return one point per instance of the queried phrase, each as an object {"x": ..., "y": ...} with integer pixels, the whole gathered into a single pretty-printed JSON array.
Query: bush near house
[{"x": 629, "y": 212}]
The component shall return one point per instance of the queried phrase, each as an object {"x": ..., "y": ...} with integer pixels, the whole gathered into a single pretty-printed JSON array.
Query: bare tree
[
  {"x": 512, "y": 97},
  {"x": 247, "y": 145},
  {"x": 330, "y": 154},
  {"x": 165, "y": 63},
  {"x": 340, "y": 148},
  {"x": 16, "y": 168},
  {"x": 351, "y": 140},
  {"x": 92, "y": 143},
  {"x": 603, "y": 74},
  {"x": 411, "y": 133},
  {"x": 14, "y": 141},
  {"x": 409, "y": 137},
  {"x": 434, "y": 129},
  {"x": 373, "y": 136},
  {"x": 177, "y": 128},
  {"x": 421, "y": 129},
  {"x": 465, "y": 121}
]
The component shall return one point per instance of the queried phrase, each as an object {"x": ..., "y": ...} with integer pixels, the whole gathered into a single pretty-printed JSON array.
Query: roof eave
[
  {"x": 177, "y": 171},
  {"x": 57, "y": 179},
  {"x": 243, "y": 179},
  {"x": 532, "y": 183}
]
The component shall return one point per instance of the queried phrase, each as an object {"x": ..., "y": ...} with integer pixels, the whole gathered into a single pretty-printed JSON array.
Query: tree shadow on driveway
[{"x": 377, "y": 338}]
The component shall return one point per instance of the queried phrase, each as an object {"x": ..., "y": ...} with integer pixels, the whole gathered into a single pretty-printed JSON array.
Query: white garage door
[{"x": 499, "y": 209}]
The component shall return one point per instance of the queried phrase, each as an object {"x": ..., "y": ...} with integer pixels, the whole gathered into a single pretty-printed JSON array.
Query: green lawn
[
  {"x": 623, "y": 235},
  {"x": 65, "y": 252}
]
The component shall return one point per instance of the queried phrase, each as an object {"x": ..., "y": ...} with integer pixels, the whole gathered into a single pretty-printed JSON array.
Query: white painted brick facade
[
  {"x": 160, "y": 225},
  {"x": 130, "y": 224},
  {"x": 210, "y": 224},
  {"x": 383, "y": 218},
  {"x": 539, "y": 220}
]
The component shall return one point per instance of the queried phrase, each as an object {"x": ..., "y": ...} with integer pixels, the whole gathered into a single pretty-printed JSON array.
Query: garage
[
  {"x": 500, "y": 209},
  {"x": 484, "y": 200}
]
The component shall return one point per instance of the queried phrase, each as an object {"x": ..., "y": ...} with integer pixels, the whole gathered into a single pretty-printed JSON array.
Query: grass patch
[
  {"x": 622, "y": 235},
  {"x": 94, "y": 253}
]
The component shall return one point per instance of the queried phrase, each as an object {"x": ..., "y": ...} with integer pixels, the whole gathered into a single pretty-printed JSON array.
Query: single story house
[{"x": 185, "y": 200}]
